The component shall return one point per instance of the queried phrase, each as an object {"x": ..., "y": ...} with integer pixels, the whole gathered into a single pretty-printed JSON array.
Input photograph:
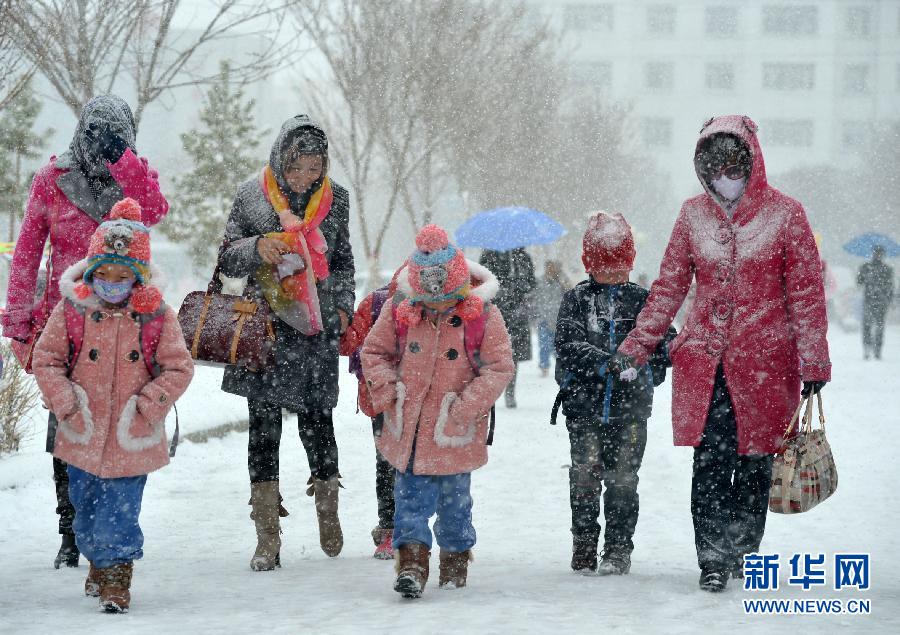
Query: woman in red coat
[{"x": 755, "y": 331}]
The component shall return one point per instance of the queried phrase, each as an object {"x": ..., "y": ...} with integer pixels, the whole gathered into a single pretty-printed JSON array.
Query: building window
[
  {"x": 789, "y": 76},
  {"x": 721, "y": 20},
  {"x": 661, "y": 19},
  {"x": 855, "y": 134},
  {"x": 720, "y": 76},
  {"x": 659, "y": 76},
  {"x": 585, "y": 16},
  {"x": 657, "y": 131},
  {"x": 858, "y": 21},
  {"x": 594, "y": 74},
  {"x": 856, "y": 79},
  {"x": 791, "y": 20},
  {"x": 788, "y": 132}
]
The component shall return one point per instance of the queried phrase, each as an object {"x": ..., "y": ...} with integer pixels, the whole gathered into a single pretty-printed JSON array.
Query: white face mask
[{"x": 729, "y": 189}]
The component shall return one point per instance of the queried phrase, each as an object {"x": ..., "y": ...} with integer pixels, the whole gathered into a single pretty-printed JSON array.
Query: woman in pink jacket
[
  {"x": 91, "y": 364},
  {"x": 755, "y": 331},
  {"x": 435, "y": 362},
  {"x": 70, "y": 197}
]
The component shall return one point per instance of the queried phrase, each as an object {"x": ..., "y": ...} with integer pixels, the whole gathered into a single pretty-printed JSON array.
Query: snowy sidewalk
[{"x": 195, "y": 576}]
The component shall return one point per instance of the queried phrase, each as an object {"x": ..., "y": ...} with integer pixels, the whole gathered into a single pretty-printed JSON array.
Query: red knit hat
[
  {"x": 124, "y": 240},
  {"x": 438, "y": 271},
  {"x": 608, "y": 244}
]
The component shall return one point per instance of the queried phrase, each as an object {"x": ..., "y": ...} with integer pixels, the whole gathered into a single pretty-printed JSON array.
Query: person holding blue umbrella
[
  {"x": 876, "y": 277},
  {"x": 515, "y": 272}
]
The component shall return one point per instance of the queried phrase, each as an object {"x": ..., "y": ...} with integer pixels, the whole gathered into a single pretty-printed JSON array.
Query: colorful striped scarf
[{"x": 294, "y": 298}]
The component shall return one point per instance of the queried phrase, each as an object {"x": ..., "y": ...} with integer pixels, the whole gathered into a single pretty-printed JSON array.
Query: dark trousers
[
  {"x": 729, "y": 492},
  {"x": 64, "y": 507},
  {"x": 384, "y": 481},
  {"x": 873, "y": 328},
  {"x": 316, "y": 433},
  {"x": 609, "y": 454}
]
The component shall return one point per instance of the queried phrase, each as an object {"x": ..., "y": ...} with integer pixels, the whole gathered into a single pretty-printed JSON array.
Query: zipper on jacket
[{"x": 607, "y": 397}]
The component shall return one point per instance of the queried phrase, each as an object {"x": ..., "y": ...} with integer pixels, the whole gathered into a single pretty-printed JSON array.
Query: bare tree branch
[{"x": 84, "y": 47}]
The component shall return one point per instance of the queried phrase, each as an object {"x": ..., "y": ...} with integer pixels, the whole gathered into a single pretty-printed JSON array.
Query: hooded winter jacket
[
  {"x": 305, "y": 373},
  {"x": 759, "y": 309},
  {"x": 62, "y": 206},
  {"x": 111, "y": 411},
  {"x": 430, "y": 395}
]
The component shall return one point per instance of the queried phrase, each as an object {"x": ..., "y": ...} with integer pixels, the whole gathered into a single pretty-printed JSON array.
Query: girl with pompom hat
[
  {"x": 111, "y": 403},
  {"x": 435, "y": 391}
]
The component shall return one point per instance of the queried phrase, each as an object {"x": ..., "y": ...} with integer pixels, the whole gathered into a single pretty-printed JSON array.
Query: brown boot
[
  {"x": 331, "y": 538},
  {"x": 92, "y": 582},
  {"x": 115, "y": 587},
  {"x": 267, "y": 510},
  {"x": 454, "y": 569},
  {"x": 412, "y": 569}
]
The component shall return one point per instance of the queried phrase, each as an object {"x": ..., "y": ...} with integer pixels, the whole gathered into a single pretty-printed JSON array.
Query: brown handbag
[{"x": 227, "y": 330}]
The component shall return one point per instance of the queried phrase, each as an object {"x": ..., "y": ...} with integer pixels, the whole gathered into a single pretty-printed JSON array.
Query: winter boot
[
  {"x": 92, "y": 582},
  {"x": 68, "y": 552},
  {"x": 267, "y": 510},
  {"x": 383, "y": 538},
  {"x": 615, "y": 561},
  {"x": 584, "y": 554},
  {"x": 331, "y": 538},
  {"x": 713, "y": 579},
  {"x": 115, "y": 587},
  {"x": 412, "y": 569},
  {"x": 454, "y": 569}
]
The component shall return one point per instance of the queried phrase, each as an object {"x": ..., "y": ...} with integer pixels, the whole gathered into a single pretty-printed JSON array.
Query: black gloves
[
  {"x": 619, "y": 362},
  {"x": 812, "y": 387},
  {"x": 112, "y": 146}
]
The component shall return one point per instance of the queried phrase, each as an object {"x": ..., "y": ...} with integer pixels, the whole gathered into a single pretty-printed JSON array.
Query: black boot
[
  {"x": 584, "y": 554},
  {"x": 68, "y": 552},
  {"x": 713, "y": 579}
]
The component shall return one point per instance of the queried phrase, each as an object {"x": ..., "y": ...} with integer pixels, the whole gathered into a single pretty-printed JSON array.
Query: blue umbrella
[
  {"x": 864, "y": 244},
  {"x": 506, "y": 228}
]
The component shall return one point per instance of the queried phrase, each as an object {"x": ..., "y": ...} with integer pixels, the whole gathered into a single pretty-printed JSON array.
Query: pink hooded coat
[
  {"x": 759, "y": 309},
  {"x": 433, "y": 395},
  {"x": 111, "y": 411},
  {"x": 51, "y": 213}
]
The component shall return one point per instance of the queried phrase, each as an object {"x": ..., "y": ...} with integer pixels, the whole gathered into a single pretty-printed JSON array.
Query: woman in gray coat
[{"x": 304, "y": 376}]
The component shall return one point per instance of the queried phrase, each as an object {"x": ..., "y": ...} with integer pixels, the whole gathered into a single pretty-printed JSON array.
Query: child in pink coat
[
  {"x": 435, "y": 399},
  {"x": 111, "y": 403}
]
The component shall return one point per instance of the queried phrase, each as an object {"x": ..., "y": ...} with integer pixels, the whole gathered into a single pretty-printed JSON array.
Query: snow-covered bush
[{"x": 18, "y": 395}]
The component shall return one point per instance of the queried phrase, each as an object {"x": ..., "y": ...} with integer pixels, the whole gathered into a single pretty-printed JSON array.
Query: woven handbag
[
  {"x": 227, "y": 330},
  {"x": 803, "y": 472}
]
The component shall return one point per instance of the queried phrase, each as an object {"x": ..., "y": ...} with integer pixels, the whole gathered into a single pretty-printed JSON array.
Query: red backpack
[
  {"x": 151, "y": 326},
  {"x": 472, "y": 337}
]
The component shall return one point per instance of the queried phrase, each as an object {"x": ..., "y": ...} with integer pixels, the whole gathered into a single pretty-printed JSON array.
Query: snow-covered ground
[{"x": 195, "y": 576}]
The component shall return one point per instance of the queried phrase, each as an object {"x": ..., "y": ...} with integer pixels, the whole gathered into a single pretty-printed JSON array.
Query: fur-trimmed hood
[{"x": 144, "y": 298}]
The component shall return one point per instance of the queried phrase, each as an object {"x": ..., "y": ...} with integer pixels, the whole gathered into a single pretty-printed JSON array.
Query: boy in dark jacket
[{"x": 606, "y": 415}]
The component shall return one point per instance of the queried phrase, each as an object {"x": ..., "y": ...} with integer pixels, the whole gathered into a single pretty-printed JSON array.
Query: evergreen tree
[
  {"x": 222, "y": 153},
  {"x": 18, "y": 144}
]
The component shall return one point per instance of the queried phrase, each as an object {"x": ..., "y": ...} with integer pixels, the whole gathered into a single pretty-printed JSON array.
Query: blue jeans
[
  {"x": 545, "y": 343},
  {"x": 106, "y": 517},
  {"x": 418, "y": 498}
]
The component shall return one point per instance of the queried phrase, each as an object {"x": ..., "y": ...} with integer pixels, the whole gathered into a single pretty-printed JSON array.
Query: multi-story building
[{"x": 815, "y": 74}]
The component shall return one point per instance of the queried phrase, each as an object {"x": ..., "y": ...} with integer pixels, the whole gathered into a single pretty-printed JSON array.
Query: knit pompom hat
[
  {"x": 123, "y": 240},
  {"x": 437, "y": 271},
  {"x": 608, "y": 244}
]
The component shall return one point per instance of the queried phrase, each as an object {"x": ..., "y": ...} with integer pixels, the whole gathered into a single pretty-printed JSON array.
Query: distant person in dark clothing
[
  {"x": 877, "y": 279},
  {"x": 515, "y": 271}
]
